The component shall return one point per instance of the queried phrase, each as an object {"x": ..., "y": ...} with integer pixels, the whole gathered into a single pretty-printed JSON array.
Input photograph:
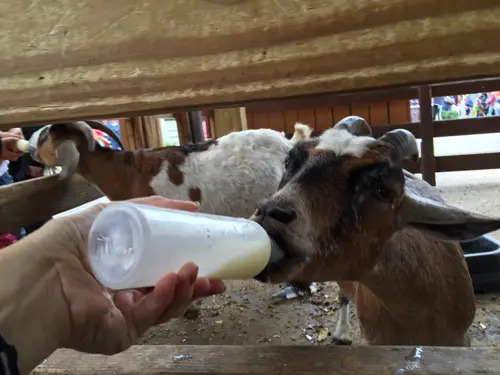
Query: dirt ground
[{"x": 245, "y": 314}]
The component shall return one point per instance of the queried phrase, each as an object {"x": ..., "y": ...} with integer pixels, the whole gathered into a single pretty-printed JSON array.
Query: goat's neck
[
  {"x": 416, "y": 283},
  {"x": 120, "y": 175}
]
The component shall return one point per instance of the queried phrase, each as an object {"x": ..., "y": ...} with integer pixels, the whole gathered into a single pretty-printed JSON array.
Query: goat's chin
[{"x": 282, "y": 271}]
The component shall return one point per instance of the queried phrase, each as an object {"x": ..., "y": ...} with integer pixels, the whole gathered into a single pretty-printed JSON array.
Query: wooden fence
[{"x": 385, "y": 110}]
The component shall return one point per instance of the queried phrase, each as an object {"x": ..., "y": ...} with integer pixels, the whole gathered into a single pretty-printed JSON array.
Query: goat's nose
[{"x": 284, "y": 215}]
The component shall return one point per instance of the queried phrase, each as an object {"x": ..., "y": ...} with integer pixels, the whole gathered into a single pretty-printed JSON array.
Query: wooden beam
[
  {"x": 468, "y": 162},
  {"x": 466, "y": 87},
  {"x": 156, "y": 55},
  {"x": 428, "y": 159},
  {"x": 334, "y": 99},
  {"x": 284, "y": 360},
  {"x": 33, "y": 201},
  {"x": 182, "y": 121},
  {"x": 469, "y": 126},
  {"x": 230, "y": 119}
]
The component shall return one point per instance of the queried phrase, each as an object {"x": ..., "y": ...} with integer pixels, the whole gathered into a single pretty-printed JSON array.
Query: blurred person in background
[{"x": 9, "y": 153}]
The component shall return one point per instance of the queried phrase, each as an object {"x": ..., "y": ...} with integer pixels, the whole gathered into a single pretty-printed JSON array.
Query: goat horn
[
  {"x": 404, "y": 142},
  {"x": 355, "y": 125},
  {"x": 100, "y": 126},
  {"x": 67, "y": 157}
]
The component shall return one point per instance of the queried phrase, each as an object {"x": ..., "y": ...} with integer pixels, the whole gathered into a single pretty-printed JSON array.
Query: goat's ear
[
  {"x": 442, "y": 221},
  {"x": 68, "y": 157}
]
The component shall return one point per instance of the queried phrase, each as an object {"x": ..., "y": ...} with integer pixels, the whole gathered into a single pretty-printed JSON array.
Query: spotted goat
[
  {"x": 346, "y": 211},
  {"x": 228, "y": 176}
]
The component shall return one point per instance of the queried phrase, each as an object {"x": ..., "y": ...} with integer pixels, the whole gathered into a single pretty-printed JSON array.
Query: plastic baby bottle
[
  {"x": 132, "y": 245},
  {"x": 23, "y": 145}
]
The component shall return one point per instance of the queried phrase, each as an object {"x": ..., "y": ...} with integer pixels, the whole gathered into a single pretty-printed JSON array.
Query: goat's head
[
  {"x": 62, "y": 144},
  {"x": 342, "y": 197}
]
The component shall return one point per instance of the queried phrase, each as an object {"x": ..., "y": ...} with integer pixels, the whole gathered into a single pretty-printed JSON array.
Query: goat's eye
[
  {"x": 295, "y": 159},
  {"x": 383, "y": 193},
  {"x": 287, "y": 163}
]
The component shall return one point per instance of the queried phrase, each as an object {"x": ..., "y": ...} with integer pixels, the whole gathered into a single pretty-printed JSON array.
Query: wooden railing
[
  {"x": 285, "y": 360},
  {"x": 427, "y": 129}
]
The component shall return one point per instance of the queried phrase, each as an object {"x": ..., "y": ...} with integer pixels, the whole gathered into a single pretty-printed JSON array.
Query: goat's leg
[{"x": 342, "y": 335}]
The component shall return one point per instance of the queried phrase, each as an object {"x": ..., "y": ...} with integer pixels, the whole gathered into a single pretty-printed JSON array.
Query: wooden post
[
  {"x": 428, "y": 160},
  {"x": 196, "y": 126},
  {"x": 230, "y": 119},
  {"x": 181, "y": 118}
]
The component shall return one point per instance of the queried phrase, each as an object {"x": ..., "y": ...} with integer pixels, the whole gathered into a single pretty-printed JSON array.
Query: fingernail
[{"x": 194, "y": 276}]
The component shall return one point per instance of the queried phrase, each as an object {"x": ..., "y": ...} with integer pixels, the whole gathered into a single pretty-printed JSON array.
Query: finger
[
  {"x": 125, "y": 300},
  {"x": 161, "y": 202},
  {"x": 183, "y": 292},
  {"x": 205, "y": 288},
  {"x": 148, "y": 310}
]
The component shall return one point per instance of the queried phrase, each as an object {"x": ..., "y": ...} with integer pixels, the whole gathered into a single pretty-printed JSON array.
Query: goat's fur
[
  {"x": 228, "y": 176},
  {"x": 347, "y": 212}
]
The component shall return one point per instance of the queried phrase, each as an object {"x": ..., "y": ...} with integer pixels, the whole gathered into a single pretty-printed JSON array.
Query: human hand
[
  {"x": 105, "y": 321},
  {"x": 17, "y": 132},
  {"x": 9, "y": 150}
]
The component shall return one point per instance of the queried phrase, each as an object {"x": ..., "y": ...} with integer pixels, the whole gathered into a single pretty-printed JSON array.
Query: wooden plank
[
  {"x": 428, "y": 162},
  {"x": 340, "y": 111},
  {"x": 466, "y": 87},
  {"x": 211, "y": 122},
  {"x": 228, "y": 120},
  {"x": 323, "y": 117},
  {"x": 57, "y": 65},
  {"x": 33, "y": 201},
  {"x": 124, "y": 134},
  {"x": 284, "y": 360},
  {"x": 361, "y": 110},
  {"x": 468, "y": 162},
  {"x": 379, "y": 113},
  {"x": 277, "y": 120},
  {"x": 243, "y": 118},
  {"x": 249, "y": 119},
  {"x": 291, "y": 117},
  {"x": 306, "y": 116},
  {"x": 481, "y": 125},
  {"x": 399, "y": 111},
  {"x": 334, "y": 99},
  {"x": 260, "y": 120},
  {"x": 182, "y": 121}
]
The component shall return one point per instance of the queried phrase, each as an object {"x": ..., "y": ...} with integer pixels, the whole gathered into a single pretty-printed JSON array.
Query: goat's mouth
[{"x": 284, "y": 264}]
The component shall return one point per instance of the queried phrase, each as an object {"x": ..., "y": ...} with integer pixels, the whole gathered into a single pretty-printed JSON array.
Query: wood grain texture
[
  {"x": 291, "y": 117},
  {"x": 341, "y": 111},
  {"x": 379, "y": 113},
  {"x": 65, "y": 59},
  {"x": 306, "y": 116},
  {"x": 284, "y": 360},
  {"x": 399, "y": 111},
  {"x": 228, "y": 120},
  {"x": 30, "y": 202},
  {"x": 323, "y": 117},
  {"x": 277, "y": 120},
  {"x": 361, "y": 110},
  {"x": 260, "y": 119}
]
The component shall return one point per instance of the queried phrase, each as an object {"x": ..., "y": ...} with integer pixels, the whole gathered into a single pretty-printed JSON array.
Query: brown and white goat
[
  {"x": 228, "y": 176},
  {"x": 347, "y": 212}
]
